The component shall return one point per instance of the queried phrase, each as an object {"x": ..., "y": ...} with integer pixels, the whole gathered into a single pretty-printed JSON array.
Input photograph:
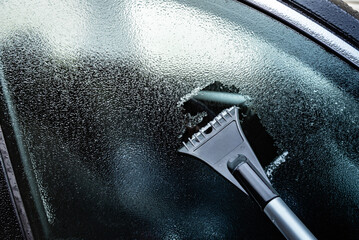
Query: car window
[{"x": 92, "y": 112}]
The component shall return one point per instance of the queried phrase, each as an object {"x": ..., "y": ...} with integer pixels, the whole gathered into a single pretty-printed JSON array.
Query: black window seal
[{"x": 15, "y": 195}]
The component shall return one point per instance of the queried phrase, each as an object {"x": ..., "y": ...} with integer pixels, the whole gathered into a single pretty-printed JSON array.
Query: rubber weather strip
[
  {"x": 14, "y": 190},
  {"x": 312, "y": 29}
]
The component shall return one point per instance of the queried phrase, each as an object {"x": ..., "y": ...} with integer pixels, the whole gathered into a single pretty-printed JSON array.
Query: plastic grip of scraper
[
  {"x": 268, "y": 199},
  {"x": 252, "y": 181}
]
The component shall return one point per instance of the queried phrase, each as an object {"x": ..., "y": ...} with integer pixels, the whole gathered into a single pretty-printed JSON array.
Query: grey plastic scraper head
[{"x": 220, "y": 141}]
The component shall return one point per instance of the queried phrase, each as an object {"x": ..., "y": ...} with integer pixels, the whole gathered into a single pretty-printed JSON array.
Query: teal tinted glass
[{"x": 91, "y": 111}]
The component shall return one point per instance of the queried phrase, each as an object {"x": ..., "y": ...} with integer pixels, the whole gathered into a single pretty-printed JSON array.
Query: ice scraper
[{"x": 223, "y": 146}]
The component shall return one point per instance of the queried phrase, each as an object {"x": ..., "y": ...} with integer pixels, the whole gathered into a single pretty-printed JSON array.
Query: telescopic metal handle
[
  {"x": 286, "y": 221},
  {"x": 268, "y": 199}
]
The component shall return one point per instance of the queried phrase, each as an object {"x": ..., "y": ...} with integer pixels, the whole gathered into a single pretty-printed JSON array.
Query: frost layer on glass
[{"x": 91, "y": 91}]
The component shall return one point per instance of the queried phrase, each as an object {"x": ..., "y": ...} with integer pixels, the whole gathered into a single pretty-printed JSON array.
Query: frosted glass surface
[{"x": 91, "y": 94}]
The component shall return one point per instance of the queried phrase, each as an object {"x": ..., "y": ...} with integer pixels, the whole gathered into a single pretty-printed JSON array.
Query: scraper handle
[
  {"x": 268, "y": 199},
  {"x": 286, "y": 221}
]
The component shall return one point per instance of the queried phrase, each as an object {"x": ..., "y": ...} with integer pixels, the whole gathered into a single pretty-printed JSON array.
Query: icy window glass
[{"x": 91, "y": 109}]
